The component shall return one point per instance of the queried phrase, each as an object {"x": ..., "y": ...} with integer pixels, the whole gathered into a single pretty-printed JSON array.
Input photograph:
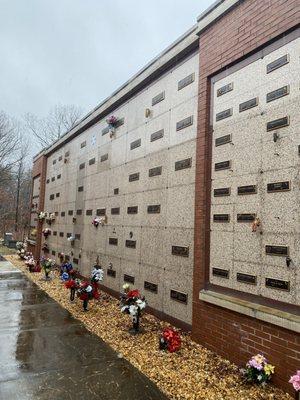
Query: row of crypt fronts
[{"x": 196, "y": 183}]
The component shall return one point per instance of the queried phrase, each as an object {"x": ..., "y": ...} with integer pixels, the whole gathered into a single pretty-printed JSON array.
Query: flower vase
[{"x": 135, "y": 324}]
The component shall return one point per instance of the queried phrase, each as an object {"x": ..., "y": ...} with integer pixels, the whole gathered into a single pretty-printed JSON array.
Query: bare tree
[
  {"x": 10, "y": 145},
  {"x": 59, "y": 120}
]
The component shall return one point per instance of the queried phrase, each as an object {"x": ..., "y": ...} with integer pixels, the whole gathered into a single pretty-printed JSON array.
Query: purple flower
[{"x": 295, "y": 381}]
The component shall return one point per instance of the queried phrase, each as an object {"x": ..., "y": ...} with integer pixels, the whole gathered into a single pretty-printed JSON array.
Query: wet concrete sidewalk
[{"x": 47, "y": 354}]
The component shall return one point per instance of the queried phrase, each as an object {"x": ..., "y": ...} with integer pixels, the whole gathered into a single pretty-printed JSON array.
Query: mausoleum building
[{"x": 196, "y": 184}]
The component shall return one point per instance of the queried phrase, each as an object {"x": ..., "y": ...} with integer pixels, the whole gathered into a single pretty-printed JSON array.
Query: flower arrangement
[
  {"x": 21, "y": 253},
  {"x": 30, "y": 262},
  {"x": 99, "y": 221},
  {"x": 295, "y": 381},
  {"x": 21, "y": 247},
  {"x": 46, "y": 232},
  {"x": 112, "y": 121},
  {"x": 45, "y": 248},
  {"x": 169, "y": 340},
  {"x": 47, "y": 264},
  {"x": 258, "y": 370},
  {"x": 133, "y": 303},
  {"x": 255, "y": 224},
  {"x": 33, "y": 232},
  {"x": 71, "y": 239},
  {"x": 42, "y": 215},
  {"x": 61, "y": 256},
  {"x": 50, "y": 218}
]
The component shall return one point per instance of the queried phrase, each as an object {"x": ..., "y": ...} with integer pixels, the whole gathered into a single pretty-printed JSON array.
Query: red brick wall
[{"x": 248, "y": 26}]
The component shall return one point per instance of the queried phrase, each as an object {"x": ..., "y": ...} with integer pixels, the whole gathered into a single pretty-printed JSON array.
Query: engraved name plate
[
  {"x": 186, "y": 81},
  {"x": 134, "y": 177},
  {"x": 92, "y": 161},
  {"x": 101, "y": 211},
  {"x": 224, "y": 114},
  {"x": 277, "y": 284},
  {"x": 246, "y": 217},
  {"x": 278, "y": 123},
  {"x": 179, "y": 296},
  {"x": 184, "y": 123},
  {"x": 113, "y": 241},
  {"x": 221, "y": 217},
  {"x": 81, "y": 166},
  {"x": 223, "y": 140},
  {"x": 111, "y": 273},
  {"x": 77, "y": 236},
  {"x": 280, "y": 62},
  {"x": 154, "y": 209},
  {"x": 157, "y": 135},
  {"x": 246, "y": 105},
  {"x": 75, "y": 260},
  {"x": 183, "y": 164},
  {"x": 246, "y": 278},
  {"x": 152, "y": 287},
  {"x": 132, "y": 210},
  {"x": 128, "y": 278},
  {"x": 225, "y": 89},
  {"x": 180, "y": 251},
  {"x": 249, "y": 189},
  {"x": 282, "y": 251},
  {"x": 119, "y": 122},
  {"x": 155, "y": 171},
  {"x": 104, "y": 157},
  {"x": 278, "y": 187},
  {"x": 105, "y": 130},
  {"x": 157, "y": 99},
  {"x": 115, "y": 211},
  {"x": 221, "y": 273},
  {"x": 221, "y": 192},
  {"x": 276, "y": 94},
  {"x": 135, "y": 144},
  {"x": 89, "y": 212},
  {"x": 222, "y": 165},
  {"x": 130, "y": 243}
]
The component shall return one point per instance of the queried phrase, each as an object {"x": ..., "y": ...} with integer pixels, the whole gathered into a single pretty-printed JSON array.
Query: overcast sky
[{"x": 80, "y": 51}]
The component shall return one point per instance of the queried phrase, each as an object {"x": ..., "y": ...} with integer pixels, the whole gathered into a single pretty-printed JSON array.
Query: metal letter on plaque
[
  {"x": 221, "y": 273},
  {"x": 225, "y": 89},
  {"x": 282, "y": 251},
  {"x": 278, "y": 187},
  {"x": 180, "y": 251},
  {"x": 277, "y": 284}
]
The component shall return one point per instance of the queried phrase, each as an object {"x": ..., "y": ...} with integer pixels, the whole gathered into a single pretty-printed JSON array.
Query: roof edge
[{"x": 163, "y": 58}]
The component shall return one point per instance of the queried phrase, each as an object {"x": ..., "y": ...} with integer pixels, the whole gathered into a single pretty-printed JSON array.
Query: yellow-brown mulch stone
[{"x": 193, "y": 373}]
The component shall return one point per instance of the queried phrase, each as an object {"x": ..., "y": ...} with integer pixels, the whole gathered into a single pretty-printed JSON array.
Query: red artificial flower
[
  {"x": 70, "y": 284},
  {"x": 133, "y": 293},
  {"x": 172, "y": 338}
]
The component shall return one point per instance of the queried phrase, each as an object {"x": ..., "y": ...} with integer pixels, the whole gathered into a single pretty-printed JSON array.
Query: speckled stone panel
[
  {"x": 258, "y": 157},
  {"x": 154, "y": 233}
]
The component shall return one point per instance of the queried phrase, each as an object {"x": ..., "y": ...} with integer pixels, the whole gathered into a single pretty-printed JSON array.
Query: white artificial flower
[{"x": 141, "y": 304}]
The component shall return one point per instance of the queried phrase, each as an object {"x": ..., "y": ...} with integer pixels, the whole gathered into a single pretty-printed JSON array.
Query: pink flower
[
  {"x": 295, "y": 381},
  {"x": 253, "y": 363}
]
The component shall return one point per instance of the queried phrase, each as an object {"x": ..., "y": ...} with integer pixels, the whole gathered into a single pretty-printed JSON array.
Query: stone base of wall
[{"x": 237, "y": 337}]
